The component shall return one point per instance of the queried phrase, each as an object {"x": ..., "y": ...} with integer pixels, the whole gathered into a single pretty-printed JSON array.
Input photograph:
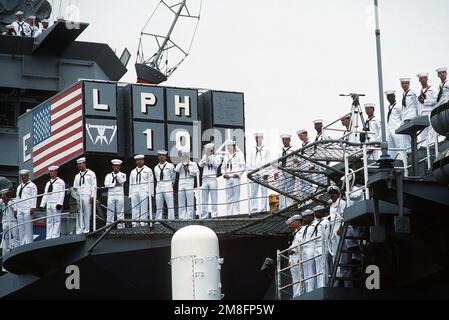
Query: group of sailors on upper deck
[{"x": 30, "y": 28}]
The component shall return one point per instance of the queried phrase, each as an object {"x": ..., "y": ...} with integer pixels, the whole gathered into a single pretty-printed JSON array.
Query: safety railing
[
  {"x": 298, "y": 252},
  {"x": 198, "y": 204}
]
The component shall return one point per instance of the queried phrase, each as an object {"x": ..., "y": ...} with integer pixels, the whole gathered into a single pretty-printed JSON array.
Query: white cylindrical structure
[{"x": 195, "y": 264}]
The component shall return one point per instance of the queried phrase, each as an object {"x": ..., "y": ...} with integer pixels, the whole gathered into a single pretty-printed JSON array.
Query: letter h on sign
[{"x": 182, "y": 105}]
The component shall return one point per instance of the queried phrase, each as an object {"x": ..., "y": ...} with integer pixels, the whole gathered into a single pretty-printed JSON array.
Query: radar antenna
[{"x": 158, "y": 67}]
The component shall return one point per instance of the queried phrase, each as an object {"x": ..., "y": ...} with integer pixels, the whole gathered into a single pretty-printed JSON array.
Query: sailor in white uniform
[
  {"x": 85, "y": 183},
  {"x": 141, "y": 187},
  {"x": 284, "y": 185},
  {"x": 45, "y": 25},
  {"x": 26, "y": 203},
  {"x": 115, "y": 182},
  {"x": 371, "y": 126},
  {"x": 336, "y": 209},
  {"x": 22, "y": 28},
  {"x": 10, "y": 237},
  {"x": 349, "y": 135},
  {"x": 321, "y": 233},
  {"x": 258, "y": 157},
  {"x": 427, "y": 102},
  {"x": 35, "y": 31},
  {"x": 53, "y": 199},
  {"x": 294, "y": 225},
  {"x": 165, "y": 175},
  {"x": 305, "y": 186},
  {"x": 443, "y": 89},
  {"x": 410, "y": 107},
  {"x": 232, "y": 169},
  {"x": 210, "y": 163},
  {"x": 394, "y": 121},
  {"x": 318, "y": 125},
  {"x": 187, "y": 171},
  {"x": 308, "y": 250}
]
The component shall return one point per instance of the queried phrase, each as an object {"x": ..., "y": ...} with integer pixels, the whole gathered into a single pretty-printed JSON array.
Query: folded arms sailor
[
  {"x": 141, "y": 187},
  {"x": 86, "y": 184},
  {"x": 165, "y": 175},
  {"x": 258, "y": 157},
  {"x": 210, "y": 163},
  {"x": 53, "y": 199},
  {"x": 187, "y": 171},
  {"x": 26, "y": 203},
  {"x": 115, "y": 182},
  {"x": 232, "y": 169}
]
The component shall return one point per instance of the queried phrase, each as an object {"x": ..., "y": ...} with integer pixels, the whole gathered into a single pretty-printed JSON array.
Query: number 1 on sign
[{"x": 149, "y": 134}]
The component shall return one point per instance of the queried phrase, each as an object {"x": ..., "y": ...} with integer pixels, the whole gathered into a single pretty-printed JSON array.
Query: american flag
[{"x": 58, "y": 130}]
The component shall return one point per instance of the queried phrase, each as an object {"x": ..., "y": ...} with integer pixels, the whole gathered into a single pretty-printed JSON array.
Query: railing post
[
  {"x": 278, "y": 276},
  {"x": 150, "y": 201},
  {"x": 248, "y": 195},
  {"x": 200, "y": 200},
  {"x": 347, "y": 175},
  {"x": 301, "y": 271},
  {"x": 365, "y": 171},
  {"x": 405, "y": 160},
  {"x": 9, "y": 227},
  {"x": 81, "y": 217},
  {"x": 94, "y": 210},
  {"x": 323, "y": 260}
]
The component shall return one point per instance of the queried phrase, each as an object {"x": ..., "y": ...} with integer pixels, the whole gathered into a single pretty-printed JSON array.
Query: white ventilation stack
[{"x": 195, "y": 264}]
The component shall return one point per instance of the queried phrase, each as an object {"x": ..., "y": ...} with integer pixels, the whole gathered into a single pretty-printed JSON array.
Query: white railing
[{"x": 298, "y": 251}]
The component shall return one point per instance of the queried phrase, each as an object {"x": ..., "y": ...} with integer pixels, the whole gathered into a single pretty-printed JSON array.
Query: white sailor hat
[
  {"x": 318, "y": 208},
  {"x": 318, "y": 121},
  {"x": 139, "y": 157},
  {"x": 422, "y": 74},
  {"x": 388, "y": 92},
  {"x": 209, "y": 146},
  {"x": 405, "y": 80},
  {"x": 301, "y": 131},
  {"x": 293, "y": 218},
  {"x": 4, "y": 191},
  {"x": 24, "y": 171},
  {"x": 333, "y": 189},
  {"x": 307, "y": 212},
  {"x": 442, "y": 69},
  {"x": 81, "y": 160},
  {"x": 116, "y": 162},
  {"x": 32, "y": 17},
  {"x": 9, "y": 27},
  {"x": 45, "y": 21},
  {"x": 286, "y": 136},
  {"x": 258, "y": 134},
  {"x": 230, "y": 142},
  {"x": 19, "y": 13},
  {"x": 53, "y": 168},
  {"x": 370, "y": 105},
  {"x": 163, "y": 152}
]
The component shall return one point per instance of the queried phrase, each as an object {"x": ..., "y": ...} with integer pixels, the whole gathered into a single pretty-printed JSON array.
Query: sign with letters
[
  {"x": 98, "y": 117},
  {"x": 148, "y": 103}
]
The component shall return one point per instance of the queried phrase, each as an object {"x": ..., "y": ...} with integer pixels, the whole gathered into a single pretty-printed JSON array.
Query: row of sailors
[
  {"x": 19, "y": 211},
  {"x": 318, "y": 235},
  {"x": 411, "y": 105},
  {"x": 29, "y": 28}
]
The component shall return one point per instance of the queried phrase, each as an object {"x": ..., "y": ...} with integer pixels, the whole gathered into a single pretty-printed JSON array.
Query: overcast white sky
[{"x": 291, "y": 58}]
